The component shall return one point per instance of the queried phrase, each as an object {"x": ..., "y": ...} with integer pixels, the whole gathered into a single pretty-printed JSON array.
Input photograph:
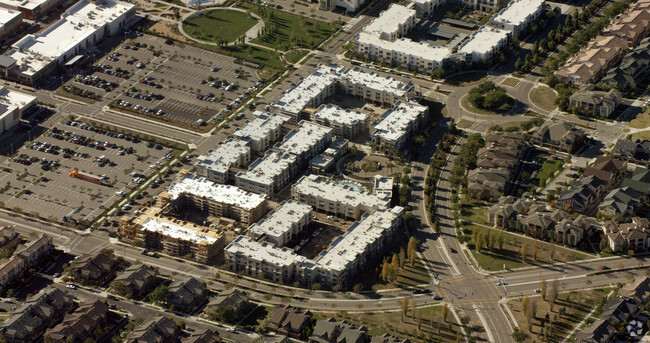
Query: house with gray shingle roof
[
  {"x": 138, "y": 279},
  {"x": 559, "y": 135},
  {"x": 333, "y": 331},
  {"x": 186, "y": 294}
]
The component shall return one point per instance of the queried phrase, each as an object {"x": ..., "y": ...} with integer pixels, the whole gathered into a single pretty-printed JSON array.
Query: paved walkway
[{"x": 251, "y": 34}]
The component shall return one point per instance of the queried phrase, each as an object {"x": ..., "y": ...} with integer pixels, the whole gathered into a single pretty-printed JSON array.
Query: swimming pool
[{"x": 353, "y": 186}]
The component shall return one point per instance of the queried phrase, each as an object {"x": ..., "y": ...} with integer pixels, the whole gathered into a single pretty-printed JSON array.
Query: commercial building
[
  {"x": 282, "y": 225},
  {"x": 173, "y": 236},
  {"x": 10, "y": 20},
  {"x": 327, "y": 80},
  {"x": 331, "y": 197},
  {"x": 30, "y": 9},
  {"x": 262, "y": 131},
  {"x": 216, "y": 200},
  {"x": 344, "y": 122},
  {"x": 518, "y": 15},
  {"x": 34, "y": 57},
  {"x": 12, "y": 107},
  {"x": 398, "y": 125},
  {"x": 216, "y": 164}
]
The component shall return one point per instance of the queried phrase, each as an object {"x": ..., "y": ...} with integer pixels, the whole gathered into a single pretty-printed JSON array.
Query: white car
[
  {"x": 230, "y": 330},
  {"x": 71, "y": 286},
  {"x": 120, "y": 193}
]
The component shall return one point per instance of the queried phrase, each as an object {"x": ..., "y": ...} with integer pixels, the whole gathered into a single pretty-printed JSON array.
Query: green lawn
[
  {"x": 642, "y": 134},
  {"x": 467, "y": 79},
  {"x": 510, "y": 254},
  {"x": 218, "y": 24},
  {"x": 510, "y": 82},
  {"x": 476, "y": 215},
  {"x": 470, "y": 107},
  {"x": 285, "y": 31},
  {"x": 544, "y": 98},
  {"x": 547, "y": 171},
  {"x": 295, "y": 55},
  {"x": 641, "y": 121},
  {"x": 411, "y": 276},
  {"x": 248, "y": 52}
]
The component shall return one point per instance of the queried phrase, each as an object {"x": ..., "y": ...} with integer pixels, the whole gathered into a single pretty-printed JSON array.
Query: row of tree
[
  {"x": 391, "y": 266},
  {"x": 466, "y": 160}
]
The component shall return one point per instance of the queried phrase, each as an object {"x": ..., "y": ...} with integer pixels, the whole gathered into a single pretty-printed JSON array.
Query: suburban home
[
  {"x": 609, "y": 170},
  {"x": 387, "y": 338},
  {"x": 159, "y": 330},
  {"x": 35, "y": 251},
  {"x": 10, "y": 270},
  {"x": 233, "y": 298},
  {"x": 621, "y": 202},
  {"x": 504, "y": 213},
  {"x": 591, "y": 63},
  {"x": 540, "y": 224},
  {"x": 571, "y": 231},
  {"x": 638, "y": 291},
  {"x": 203, "y": 336},
  {"x": 9, "y": 238},
  {"x": 290, "y": 321},
  {"x": 80, "y": 324},
  {"x": 333, "y": 331},
  {"x": 93, "y": 269},
  {"x": 30, "y": 320},
  {"x": 138, "y": 279},
  {"x": 636, "y": 151},
  {"x": 629, "y": 236},
  {"x": 598, "y": 332},
  {"x": 592, "y": 102},
  {"x": 186, "y": 294},
  {"x": 583, "y": 194},
  {"x": 639, "y": 181},
  {"x": 490, "y": 183},
  {"x": 559, "y": 135},
  {"x": 633, "y": 69}
]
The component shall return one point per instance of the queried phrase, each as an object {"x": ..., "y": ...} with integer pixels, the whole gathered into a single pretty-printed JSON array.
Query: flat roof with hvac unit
[{"x": 458, "y": 23}]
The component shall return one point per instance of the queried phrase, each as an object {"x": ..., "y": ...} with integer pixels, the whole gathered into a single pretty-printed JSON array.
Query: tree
[
  {"x": 479, "y": 241},
  {"x": 534, "y": 251},
  {"x": 524, "y": 305},
  {"x": 500, "y": 240},
  {"x": 159, "y": 295},
  {"x": 418, "y": 315},
  {"x": 385, "y": 271},
  {"x": 411, "y": 250},
  {"x": 224, "y": 314},
  {"x": 553, "y": 293},
  {"x": 402, "y": 257},
  {"x": 524, "y": 251},
  {"x": 444, "y": 312},
  {"x": 405, "y": 306},
  {"x": 413, "y": 308},
  {"x": 119, "y": 287},
  {"x": 552, "y": 252},
  {"x": 519, "y": 336},
  {"x": 542, "y": 287}
]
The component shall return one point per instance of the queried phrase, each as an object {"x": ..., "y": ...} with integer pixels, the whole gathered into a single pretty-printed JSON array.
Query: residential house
[
  {"x": 632, "y": 25},
  {"x": 80, "y": 324},
  {"x": 559, "y": 135},
  {"x": 621, "y": 202},
  {"x": 93, "y": 269},
  {"x": 233, "y": 298},
  {"x": 386, "y": 338},
  {"x": 629, "y": 236},
  {"x": 592, "y": 102},
  {"x": 540, "y": 223},
  {"x": 35, "y": 251},
  {"x": 203, "y": 336},
  {"x": 290, "y": 321},
  {"x": 571, "y": 231},
  {"x": 11, "y": 269},
  {"x": 583, "y": 194},
  {"x": 30, "y": 320},
  {"x": 633, "y": 68},
  {"x": 9, "y": 238},
  {"x": 187, "y": 293},
  {"x": 638, "y": 291},
  {"x": 159, "y": 330},
  {"x": 598, "y": 332},
  {"x": 489, "y": 183},
  {"x": 635, "y": 151},
  {"x": 609, "y": 170},
  {"x": 333, "y": 331},
  {"x": 138, "y": 279},
  {"x": 639, "y": 181},
  {"x": 591, "y": 63},
  {"x": 504, "y": 213}
]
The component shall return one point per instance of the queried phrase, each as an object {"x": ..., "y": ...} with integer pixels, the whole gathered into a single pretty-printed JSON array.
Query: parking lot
[
  {"x": 172, "y": 83},
  {"x": 107, "y": 164}
]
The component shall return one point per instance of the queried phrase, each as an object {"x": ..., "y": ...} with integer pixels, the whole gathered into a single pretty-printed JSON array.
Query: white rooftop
[
  {"x": 518, "y": 11},
  {"x": 261, "y": 125},
  {"x": 395, "y": 122},
  {"x": 7, "y": 15},
  {"x": 78, "y": 23},
  {"x": 12, "y": 100},
  {"x": 278, "y": 222},
  {"x": 226, "y": 194},
  {"x": 224, "y": 156},
  {"x": 295, "y": 99},
  {"x": 390, "y": 19},
  {"x": 176, "y": 231},
  {"x": 355, "y": 241},
  {"x": 263, "y": 251},
  {"x": 336, "y": 114},
  {"x": 377, "y": 82},
  {"x": 483, "y": 40},
  {"x": 303, "y": 138},
  {"x": 265, "y": 169},
  {"x": 322, "y": 187},
  {"x": 424, "y": 51}
]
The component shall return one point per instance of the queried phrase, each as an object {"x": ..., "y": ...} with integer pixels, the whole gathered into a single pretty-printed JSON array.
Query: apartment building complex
[
  {"x": 216, "y": 200},
  {"x": 518, "y": 16},
  {"x": 35, "y": 56},
  {"x": 338, "y": 199},
  {"x": 262, "y": 131},
  {"x": 282, "y": 225},
  {"x": 397, "y": 125},
  {"x": 344, "y": 122},
  {"x": 216, "y": 164}
]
